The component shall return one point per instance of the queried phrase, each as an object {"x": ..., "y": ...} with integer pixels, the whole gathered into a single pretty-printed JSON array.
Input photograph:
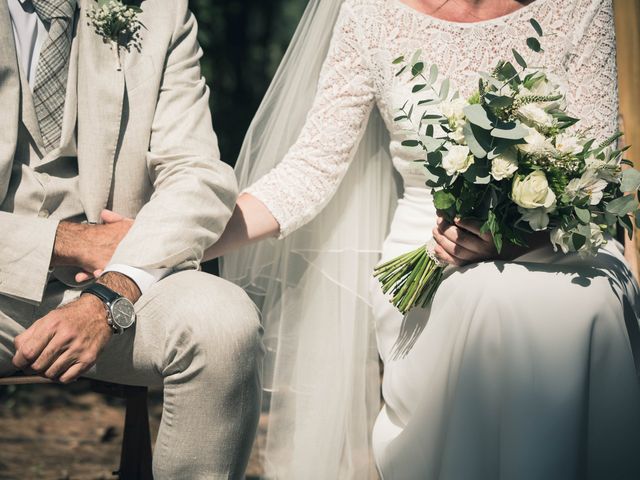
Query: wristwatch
[{"x": 121, "y": 313}]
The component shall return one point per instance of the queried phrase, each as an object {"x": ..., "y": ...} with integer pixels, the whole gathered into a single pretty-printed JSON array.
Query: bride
[{"x": 522, "y": 368}]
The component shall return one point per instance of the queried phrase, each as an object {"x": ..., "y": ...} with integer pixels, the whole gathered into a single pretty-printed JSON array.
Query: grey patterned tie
[{"x": 53, "y": 67}]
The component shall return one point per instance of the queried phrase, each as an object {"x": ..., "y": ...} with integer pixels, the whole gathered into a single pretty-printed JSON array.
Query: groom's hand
[
  {"x": 87, "y": 246},
  {"x": 67, "y": 342}
]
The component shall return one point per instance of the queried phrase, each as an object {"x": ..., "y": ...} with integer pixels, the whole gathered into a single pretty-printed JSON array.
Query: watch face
[{"x": 123, "y": 313}]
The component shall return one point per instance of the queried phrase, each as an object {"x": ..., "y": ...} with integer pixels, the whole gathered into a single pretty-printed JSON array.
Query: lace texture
[{"x": 579, "y": 50}]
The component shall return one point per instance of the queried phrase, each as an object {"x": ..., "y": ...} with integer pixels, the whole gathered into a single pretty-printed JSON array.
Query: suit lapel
[
  {"x": 100, "y": 103},
  {"x": 9, "y": 98}
]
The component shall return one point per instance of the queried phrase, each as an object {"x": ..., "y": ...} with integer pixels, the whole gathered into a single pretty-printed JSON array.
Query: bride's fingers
[
  {"x": 453, "y": 249},
  {"x": 474, "y": 227},
  {"x": 465, "y": 239},
  {"x": 444, "y": 257}
]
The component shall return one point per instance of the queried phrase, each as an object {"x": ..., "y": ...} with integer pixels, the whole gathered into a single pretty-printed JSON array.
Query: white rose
[
  {"x": 505, "y": 165},
  {"x": 536, "y": 142},
  {"x": 535, "y": 114},
  {"x": 533, "y": 191},
  {"x": 454, "y": 111},
  {"x": 568, "y": 144},
  {"x": 457, "y": 160}
]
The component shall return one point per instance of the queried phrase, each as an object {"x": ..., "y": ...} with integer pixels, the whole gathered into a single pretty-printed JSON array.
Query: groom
[{"x": 86, "y": 127}]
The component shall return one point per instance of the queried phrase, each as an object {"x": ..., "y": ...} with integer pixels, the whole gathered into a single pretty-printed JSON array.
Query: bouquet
[{"x": 508, "y": 158}]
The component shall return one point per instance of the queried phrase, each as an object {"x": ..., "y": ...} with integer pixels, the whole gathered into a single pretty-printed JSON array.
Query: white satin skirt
[{"x": 523, "y": 370}]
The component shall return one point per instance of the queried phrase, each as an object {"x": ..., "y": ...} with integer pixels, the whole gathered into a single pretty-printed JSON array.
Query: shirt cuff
[{"x": 143, "y": 278}]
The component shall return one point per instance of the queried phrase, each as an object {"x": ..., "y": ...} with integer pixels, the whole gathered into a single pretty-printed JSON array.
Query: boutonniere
[{"x": 118, "y": 24}]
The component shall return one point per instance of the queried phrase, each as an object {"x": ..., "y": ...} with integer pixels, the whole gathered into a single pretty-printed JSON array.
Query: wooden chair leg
[{"x": 135, "y": 458}]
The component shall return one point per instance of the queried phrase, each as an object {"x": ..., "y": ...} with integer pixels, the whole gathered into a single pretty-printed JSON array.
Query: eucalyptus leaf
[
  {"x": 472, "y": 142},
  {"x": 534, "y": 44},
  {"x": 477, "y": 115},
  {"x": 499, "y": 101},
  {"x": 417, "y": 69},
  {"x": 417, "y": 88},
  {"x": 510, "y": 131},
  {"x": 536, "y": 26},
  {"x": 583, "y": 214},
  {"x": 416, "y": 57},
  {"x": 410, "y": 143},
  {"x": 398, "y": 60},
  {"x": 578, "y": 241},
  {"x": 444, "y": 89},
  {"x": 630, "y": 180},
  {"x": 625, "y": 222},
  {"x": 436, "y": 176},
  {"x": 623, "y": 205},
  {"x": 433, "y": 74},
  {"x": 521, "y": 61}
]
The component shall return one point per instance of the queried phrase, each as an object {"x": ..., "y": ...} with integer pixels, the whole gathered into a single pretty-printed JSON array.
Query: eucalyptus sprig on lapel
[{"x": 118, "y": 24}]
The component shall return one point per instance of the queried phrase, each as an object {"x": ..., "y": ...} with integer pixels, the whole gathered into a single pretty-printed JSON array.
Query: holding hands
[{"x": 65, "y": 343}]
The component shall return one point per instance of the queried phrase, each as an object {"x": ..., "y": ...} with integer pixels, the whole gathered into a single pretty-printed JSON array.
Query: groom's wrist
[
  {"x": 66, "y": 248},
  {"x": 121, "y": 284}
]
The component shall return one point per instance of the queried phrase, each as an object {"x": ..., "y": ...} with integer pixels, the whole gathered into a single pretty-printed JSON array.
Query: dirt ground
[{"x": 48, "y": 432}]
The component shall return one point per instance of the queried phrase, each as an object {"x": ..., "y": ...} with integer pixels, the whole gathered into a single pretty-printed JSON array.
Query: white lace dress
[{"x": 519, "y": 370}]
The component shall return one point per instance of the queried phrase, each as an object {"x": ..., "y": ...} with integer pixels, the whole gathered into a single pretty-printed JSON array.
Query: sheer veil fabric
[{"x": 321, "y": 370}]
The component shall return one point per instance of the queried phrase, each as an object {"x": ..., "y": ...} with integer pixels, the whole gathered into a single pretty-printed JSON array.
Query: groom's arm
[{"x": 194, "y": 192}]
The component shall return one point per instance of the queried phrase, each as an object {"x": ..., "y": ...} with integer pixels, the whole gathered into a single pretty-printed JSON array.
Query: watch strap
[{"x": 103, "y": 292}]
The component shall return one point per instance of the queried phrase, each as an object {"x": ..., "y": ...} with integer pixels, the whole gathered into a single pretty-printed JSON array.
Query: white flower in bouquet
[
  {"x": 533, "y": 191},
  {"x": 607, "y": 169},
  {"x": 538, "y": 218},
  {"x": 590, "y": 184},
  {"x": 560, "y": 238},
  {"x": 457, "y": 136},
  {"x": 569, "y": 144},
  {"x": 536, "y": 142},
  {"x": 457, "y": 160},
  {"x": 535, "y": 114},
  {"x": 454, "y": 111},
  {"x": 593, "y": 240},
  {"x": 505, "y": 165}
]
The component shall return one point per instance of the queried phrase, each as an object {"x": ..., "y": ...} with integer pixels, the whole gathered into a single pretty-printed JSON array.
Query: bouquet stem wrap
[{"x": 413, "y": 278}]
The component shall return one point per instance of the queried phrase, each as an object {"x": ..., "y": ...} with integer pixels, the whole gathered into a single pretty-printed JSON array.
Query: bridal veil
[{"x": 321, "y": 368}]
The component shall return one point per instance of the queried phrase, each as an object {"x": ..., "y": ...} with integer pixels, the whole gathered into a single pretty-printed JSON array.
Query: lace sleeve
[
  {"x": 593, "y": 84},
  {"x": 299, "y": 187}
]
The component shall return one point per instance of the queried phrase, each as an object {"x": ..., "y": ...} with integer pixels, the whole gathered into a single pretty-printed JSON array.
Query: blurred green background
[{"x": 243, "y": 42}]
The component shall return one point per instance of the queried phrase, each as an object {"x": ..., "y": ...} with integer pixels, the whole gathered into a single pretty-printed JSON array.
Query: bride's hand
[{"x": 461, "y": 242}]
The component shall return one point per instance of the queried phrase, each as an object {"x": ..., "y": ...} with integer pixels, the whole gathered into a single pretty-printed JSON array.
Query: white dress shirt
[{"x": 30, "y": 33}]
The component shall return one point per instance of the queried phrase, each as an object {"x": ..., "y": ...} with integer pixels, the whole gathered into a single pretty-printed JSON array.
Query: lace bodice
[{"x": 358, "y": 74}]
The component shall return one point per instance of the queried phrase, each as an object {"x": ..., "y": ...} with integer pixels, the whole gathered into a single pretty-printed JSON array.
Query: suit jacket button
[{"x": 44, "y": 214}]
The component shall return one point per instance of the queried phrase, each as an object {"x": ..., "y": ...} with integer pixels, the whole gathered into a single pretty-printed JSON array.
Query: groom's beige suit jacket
[{"x": 144, "y": 142}]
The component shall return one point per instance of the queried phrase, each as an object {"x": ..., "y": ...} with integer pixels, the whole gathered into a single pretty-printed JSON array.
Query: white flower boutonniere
[{"x": 118, "y": 24}]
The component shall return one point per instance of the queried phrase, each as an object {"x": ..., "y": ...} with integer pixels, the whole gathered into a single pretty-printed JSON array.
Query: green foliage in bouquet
[{"x": 510, "y": 158}]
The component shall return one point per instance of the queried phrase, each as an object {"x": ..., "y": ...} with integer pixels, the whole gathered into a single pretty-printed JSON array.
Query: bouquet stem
[{"x": 413, "y": 278}]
